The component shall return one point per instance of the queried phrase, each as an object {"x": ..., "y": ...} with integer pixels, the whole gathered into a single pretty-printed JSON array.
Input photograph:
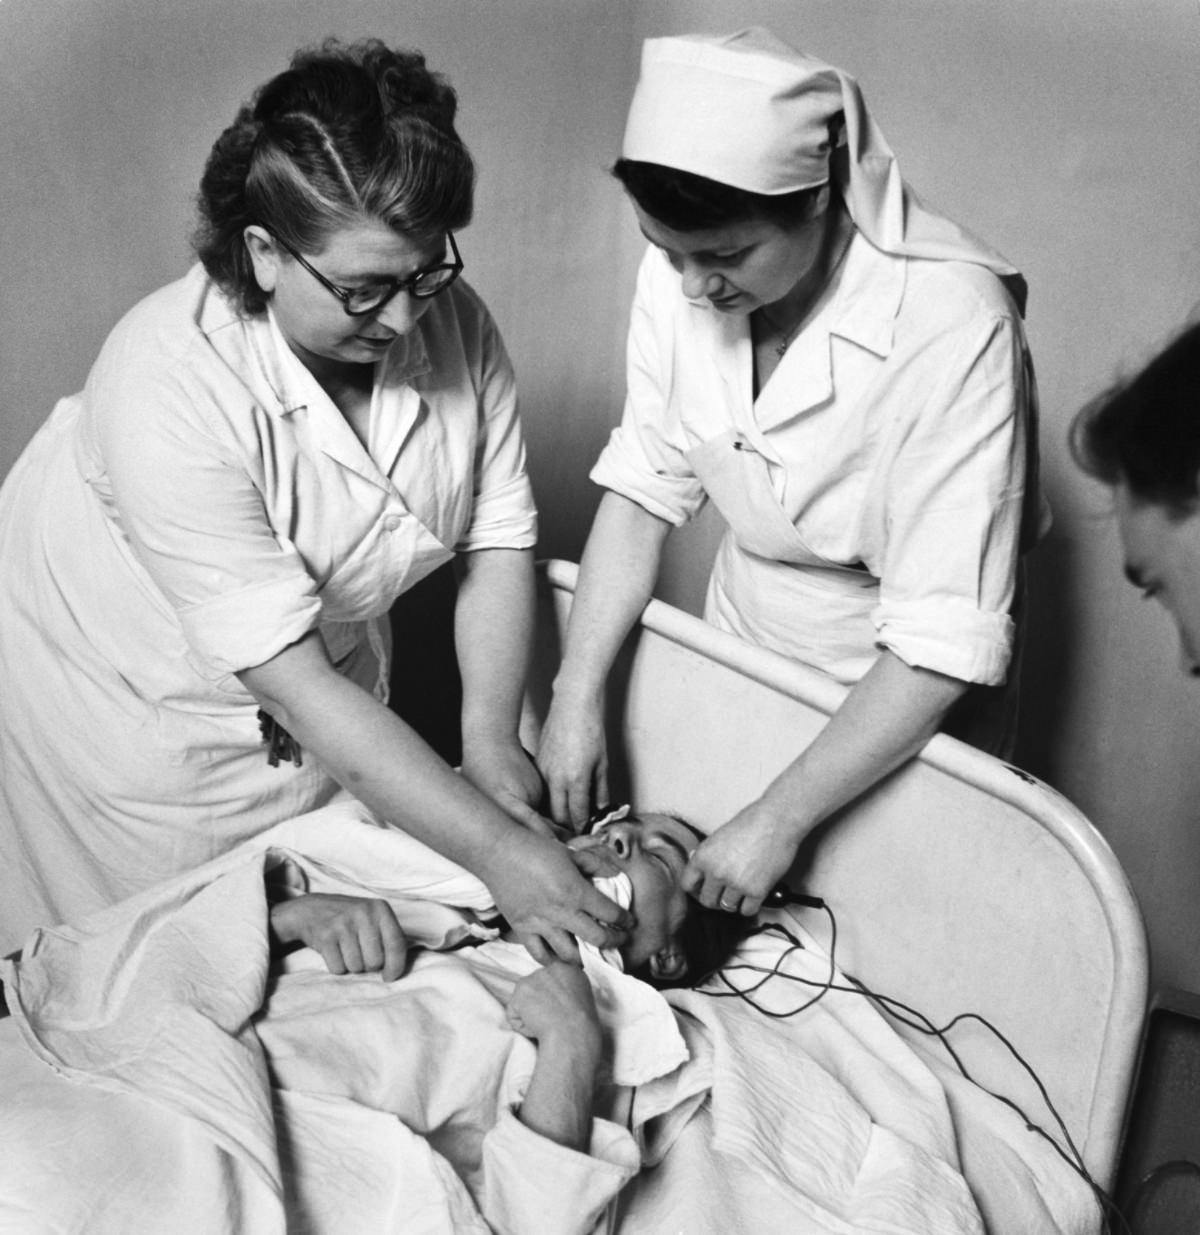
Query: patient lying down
[
  {"x": 199, "y": 1084},
  {"x": 582, "y": 1052},
  {"x": 639, "y": 861}
]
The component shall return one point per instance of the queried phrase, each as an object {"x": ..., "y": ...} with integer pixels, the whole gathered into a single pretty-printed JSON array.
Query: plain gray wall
[{"x": 1065, "y": 133}]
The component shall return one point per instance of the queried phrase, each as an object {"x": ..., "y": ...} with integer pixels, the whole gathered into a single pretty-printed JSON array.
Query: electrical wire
[{"x": 915, "y": 1020}]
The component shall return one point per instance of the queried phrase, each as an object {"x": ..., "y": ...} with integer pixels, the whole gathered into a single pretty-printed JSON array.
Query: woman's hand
[
  {"x": 507, "y": 774},
  {"x": 354, "y": 934},
  {"x": 547, "y": 902},
  {"x": 555, "y": 1001},
  {"x": 742, "y": 861},
  {"x": 573, "y": 758}
]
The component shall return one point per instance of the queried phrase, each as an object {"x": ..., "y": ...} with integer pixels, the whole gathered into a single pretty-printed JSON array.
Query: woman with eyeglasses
[{"x": 200, "y": 550}]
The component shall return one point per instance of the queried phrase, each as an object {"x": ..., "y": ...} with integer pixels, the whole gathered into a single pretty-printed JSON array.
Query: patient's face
[{"x": 653, "y": 851}]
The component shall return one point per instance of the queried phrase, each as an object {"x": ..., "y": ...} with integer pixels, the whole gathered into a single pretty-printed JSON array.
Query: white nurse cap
[{"x": 747, "y": 110}]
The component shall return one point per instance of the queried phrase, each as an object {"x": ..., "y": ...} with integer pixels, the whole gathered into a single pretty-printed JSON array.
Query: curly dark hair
[
  {"x": 1145, "y": 432},
  {"x": 685, "y": 202},
  {"x": 348, "y": 132}
]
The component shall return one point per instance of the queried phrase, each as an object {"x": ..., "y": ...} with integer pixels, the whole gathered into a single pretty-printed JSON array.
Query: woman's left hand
[
  {"x": 742, "y": 861},
  {"x": 508, "y": 776}
]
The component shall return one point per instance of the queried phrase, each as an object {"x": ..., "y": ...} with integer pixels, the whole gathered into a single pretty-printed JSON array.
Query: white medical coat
[
  {"x": 874, "y": 489},
  {"x": 200, "y": 506}
]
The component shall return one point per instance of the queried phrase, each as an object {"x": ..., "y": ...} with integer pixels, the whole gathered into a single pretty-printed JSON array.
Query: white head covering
[{"x": 747, "y": 110}]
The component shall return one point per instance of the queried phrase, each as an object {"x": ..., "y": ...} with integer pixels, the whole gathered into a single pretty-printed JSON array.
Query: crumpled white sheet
[
  {"x": 831, "y": 1123},
  {"x": 828, "y": 1123},
  {"x": 312, "y": 1109}
]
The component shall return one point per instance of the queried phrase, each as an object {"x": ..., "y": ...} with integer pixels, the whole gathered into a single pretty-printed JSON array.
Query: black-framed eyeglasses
[{"x": 370, "y": 298}]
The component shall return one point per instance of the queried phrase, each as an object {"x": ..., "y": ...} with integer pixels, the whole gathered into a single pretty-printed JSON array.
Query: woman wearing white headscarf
[{"x": 845, "y": 375}]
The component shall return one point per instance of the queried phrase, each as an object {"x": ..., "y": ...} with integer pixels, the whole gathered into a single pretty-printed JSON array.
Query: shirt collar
[
  {"x": 868, "y": 296},
  {"x": 292, "y": 383}
]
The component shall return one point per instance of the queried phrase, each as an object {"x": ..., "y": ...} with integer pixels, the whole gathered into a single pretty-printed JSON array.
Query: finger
[
  {"x": 603, "y": 797},
  {"x": 524, "y": 814},
  {"x": 729, "y": 902},
  {"x": 370, "y": 947},
  {"x": 332, "y": 956},
  {"x": 750, "y": 906},
  {"x": 352, "y": 956},
  {"x": 561, "y": 945},
  {"x": 708, "y": 892},
  {"x": 586, "y": 929},
  {"x": 395, "y": 947},
  {"x": 560, "y": 810},
  {"x": 535, "y": 945},
  {"x": 606, "y": 912},
  {"x": 580, "y": 802}
]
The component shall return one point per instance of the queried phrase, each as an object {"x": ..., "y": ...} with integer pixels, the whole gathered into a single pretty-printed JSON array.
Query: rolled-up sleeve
[
  {"x": 645, "y": 458},
  {"x": 534, "y": 1186},
  {"x": 503, "y": 515},
  {"x": 954, "y": 500},
  {"x": 195, "y": 521}
]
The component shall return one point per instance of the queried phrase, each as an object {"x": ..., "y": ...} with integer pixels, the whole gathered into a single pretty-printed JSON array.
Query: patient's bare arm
[
  {"x": 554, "y": 1007},
  {"x": 354, "y": 934}
]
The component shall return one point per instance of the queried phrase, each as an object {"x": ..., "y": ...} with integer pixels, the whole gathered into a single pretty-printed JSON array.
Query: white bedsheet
[{"x": 352, "y": 1106}]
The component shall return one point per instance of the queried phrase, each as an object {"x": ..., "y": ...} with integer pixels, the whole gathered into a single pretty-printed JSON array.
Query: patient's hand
[
  {"x": 554, "y": 1006},
  {"x": 554, "y": 1002},
  {"x": 354, "y": 934}
]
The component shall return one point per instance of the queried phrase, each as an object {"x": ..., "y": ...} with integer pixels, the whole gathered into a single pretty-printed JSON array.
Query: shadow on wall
[{"x": 1048, "y": 659}]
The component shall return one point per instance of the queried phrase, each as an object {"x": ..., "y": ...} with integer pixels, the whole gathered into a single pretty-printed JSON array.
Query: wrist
[
  {"x": 577, "y": 1041},
  {"x": 578, "y": 689}
]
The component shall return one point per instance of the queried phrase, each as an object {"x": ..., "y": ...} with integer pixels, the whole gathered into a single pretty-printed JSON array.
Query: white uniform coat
[
  {"x": 200, "y": 506},
  {"x": 874, "y": 489}
]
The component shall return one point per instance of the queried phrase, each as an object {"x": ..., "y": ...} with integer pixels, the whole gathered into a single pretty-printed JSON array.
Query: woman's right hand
[
  {"x": 573, "y": 759},
  {"x": 547, "y": 902}
]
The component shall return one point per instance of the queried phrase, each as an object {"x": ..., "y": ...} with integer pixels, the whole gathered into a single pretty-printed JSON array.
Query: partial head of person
[
  {"x": 676, "y": 941},
  {"x": 334, "y": 198},
  {"x": 1142, "y": 438},
  {"x": 746, "y": 160}
]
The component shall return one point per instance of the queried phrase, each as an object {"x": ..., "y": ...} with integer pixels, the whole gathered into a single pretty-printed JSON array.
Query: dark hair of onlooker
[
  {"x": 349, "y": 132},
  {"x": 685, "y": 202},
  {"x": 1145, "y": 432}
]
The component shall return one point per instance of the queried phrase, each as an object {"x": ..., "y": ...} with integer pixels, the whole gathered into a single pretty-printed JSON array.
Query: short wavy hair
[
  {"x": 349, "y": 132},
  {"x": 1144, "y": 432}
]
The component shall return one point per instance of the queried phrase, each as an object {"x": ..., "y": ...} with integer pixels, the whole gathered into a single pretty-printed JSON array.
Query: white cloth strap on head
[{"x": 749, "y": 111}]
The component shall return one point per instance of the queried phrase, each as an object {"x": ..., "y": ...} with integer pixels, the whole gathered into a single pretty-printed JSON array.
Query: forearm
[
  {"x": 616, "y": 580},
  {"x": 558, "y": 1102},
  {"x": 493, "y": 623},
  {"x": 373, "y": 754},
  {"x": 886, "y": 718}
]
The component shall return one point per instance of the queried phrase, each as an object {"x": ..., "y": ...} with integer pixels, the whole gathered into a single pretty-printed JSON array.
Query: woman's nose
[
  {"x": 697, "y": 281},
  {"x": 402, "y": 312}
]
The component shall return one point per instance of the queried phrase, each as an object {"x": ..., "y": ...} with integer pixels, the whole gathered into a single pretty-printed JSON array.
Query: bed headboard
[{"x": 959, "y": 883}]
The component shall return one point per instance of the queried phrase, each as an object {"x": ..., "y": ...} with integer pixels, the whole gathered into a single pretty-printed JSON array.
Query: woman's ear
[
  {"x": 668, "y": 964},
  {"x": 264, "y": 256}
]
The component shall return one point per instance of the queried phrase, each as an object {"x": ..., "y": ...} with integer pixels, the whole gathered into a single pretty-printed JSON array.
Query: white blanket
[{"x": 203, "y": 1097}]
